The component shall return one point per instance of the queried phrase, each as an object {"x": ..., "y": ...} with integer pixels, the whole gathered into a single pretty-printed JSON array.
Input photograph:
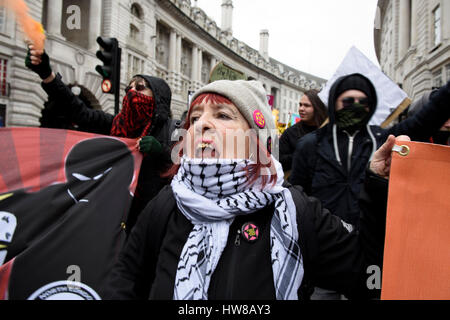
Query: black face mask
[{"x": 352, "y": 118}]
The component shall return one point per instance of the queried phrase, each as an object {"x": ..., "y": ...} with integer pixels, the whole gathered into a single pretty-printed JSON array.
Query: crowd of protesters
[{"x": 223, "y": 222}]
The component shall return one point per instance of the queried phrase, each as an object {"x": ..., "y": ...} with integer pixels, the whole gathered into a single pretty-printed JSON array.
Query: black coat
[
  {"x": 288, "y": 142},
  {"x": 316, "y": 169},
  {"x": 98, "y": 121},
  {"x": 332, "y": 256}
]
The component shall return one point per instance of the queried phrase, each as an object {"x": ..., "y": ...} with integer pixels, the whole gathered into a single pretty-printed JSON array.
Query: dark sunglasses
[
  {"x": 349, "y": 101},
  {"x": 138, "y": 87}
]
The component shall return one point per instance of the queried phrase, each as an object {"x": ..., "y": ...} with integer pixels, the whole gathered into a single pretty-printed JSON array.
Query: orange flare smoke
[{"x": 32, "y": 28}]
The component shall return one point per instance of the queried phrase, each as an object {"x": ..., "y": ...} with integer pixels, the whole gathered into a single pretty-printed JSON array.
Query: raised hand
[
  {"x": 381, "y": 161},
  {"x": 39, "y": 62}
]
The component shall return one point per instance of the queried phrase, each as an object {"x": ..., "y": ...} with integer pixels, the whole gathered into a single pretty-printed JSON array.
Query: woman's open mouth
[{"x": 206, "y": 150}]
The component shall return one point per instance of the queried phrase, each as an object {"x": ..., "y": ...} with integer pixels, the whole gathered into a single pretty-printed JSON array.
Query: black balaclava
[{"x": 354, "y": 117}]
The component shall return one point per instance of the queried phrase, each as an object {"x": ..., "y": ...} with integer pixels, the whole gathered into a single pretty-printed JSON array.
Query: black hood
[
  {"x": 162, "y": 95},
  {"x": 354, "y": 81}
]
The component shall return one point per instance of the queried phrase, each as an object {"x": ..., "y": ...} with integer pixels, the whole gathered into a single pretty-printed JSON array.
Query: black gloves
[{"x": 43, "y": 69}]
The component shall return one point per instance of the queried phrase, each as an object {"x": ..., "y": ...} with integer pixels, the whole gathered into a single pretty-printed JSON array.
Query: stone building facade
[
  {"x": 171, "y": 39},
  {"x": 412, "y": 42}
]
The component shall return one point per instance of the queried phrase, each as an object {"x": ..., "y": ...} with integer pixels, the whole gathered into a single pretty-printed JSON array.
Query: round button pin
[
  {"x": 250, "y": 231},
  {"x": 258, "y": 118}
]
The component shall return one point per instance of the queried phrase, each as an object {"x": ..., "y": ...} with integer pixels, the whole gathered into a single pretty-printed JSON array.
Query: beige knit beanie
[{"x": 251, "y": 100}]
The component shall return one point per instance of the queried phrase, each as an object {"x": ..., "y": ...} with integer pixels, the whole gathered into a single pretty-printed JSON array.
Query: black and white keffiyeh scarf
[{"x": 211, "y": 193}]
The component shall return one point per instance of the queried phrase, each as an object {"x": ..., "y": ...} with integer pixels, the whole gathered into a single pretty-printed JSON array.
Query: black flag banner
[{"x": 64, "y": 201}]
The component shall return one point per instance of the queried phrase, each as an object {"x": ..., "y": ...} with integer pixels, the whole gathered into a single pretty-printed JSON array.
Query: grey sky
[{"x": 310, "y": 35}]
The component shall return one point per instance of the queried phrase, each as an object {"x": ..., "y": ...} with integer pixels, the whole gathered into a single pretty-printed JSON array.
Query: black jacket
[
  {"x": 98, "y": 121},
  {"x": 315, "y": 165},
  {"x": 288, "y": 142},
  {"x": 332, "y": 256}
]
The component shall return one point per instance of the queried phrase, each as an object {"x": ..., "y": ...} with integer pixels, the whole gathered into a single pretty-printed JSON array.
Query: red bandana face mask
[{"x": 135, "y": 119}]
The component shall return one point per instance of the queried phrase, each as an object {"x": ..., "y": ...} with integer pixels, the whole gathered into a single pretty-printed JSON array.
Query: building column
[
  {"x": 54, "y": 17},
  {"x": 194, "y": 71},
  {"x": 200, "y": 65},
  {"x": 213, "y": 63},
  {"x": 172, "y": 51},
  {"x": 172, "y": 57},
  {"x": 404, "y": 28},
  {"x": 178, "y": 64},
  {"x": 268, "y": 89},
  {"x": 178, "y": 53},
  {"x": 95, "y": 23},
  {"x": 413, "y": 25}
]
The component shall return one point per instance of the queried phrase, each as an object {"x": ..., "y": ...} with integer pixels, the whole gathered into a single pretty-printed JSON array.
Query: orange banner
[{"x": 417, "y": 248}]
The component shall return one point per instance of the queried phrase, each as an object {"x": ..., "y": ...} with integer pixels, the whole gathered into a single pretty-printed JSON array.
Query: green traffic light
[{"x": 102, "y": 72}]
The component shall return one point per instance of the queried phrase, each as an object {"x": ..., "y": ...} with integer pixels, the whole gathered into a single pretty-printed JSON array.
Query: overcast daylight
[
  {"x": 312, "y": 36},
  {"x": 240, "y": 151}
]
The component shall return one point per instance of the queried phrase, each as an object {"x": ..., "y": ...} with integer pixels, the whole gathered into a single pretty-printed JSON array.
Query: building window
[
  {"x": 2, "y": 115},
  {"x": 410, "y": 22},
  {"x": 134, "y": 32},
  {"x": 447, "y": 71},
  {"x": 44, "y": 14},
  {"x": 135, "y": 66},
  {"x": 136, "y": 11},
  {"x": 3, "y": 73},
  {"x": 2, "y": 19},
  {"x": 437, "y": 25},
  {"x": 162, "y": 44},
  {"x": 437, "y": 79},
  {"x": 205, "y": 73}
]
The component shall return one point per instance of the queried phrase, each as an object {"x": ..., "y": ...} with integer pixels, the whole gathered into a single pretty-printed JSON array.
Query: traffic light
[{"x": 110, "y": 55}]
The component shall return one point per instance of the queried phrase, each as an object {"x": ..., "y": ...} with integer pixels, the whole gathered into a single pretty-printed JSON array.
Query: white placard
[{"x": 389, "y": 94}]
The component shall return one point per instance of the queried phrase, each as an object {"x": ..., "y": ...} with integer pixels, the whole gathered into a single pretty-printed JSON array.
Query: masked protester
[
  {"x": 145, "y": 114},
  {"x": 330, "y": 163}
]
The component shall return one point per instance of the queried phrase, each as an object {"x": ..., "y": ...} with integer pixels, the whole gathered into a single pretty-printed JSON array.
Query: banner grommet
[{"x": 402, "y": 150}]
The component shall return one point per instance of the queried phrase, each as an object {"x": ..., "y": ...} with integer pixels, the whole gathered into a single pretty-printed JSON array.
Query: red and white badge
[{"x": 106, "y": 85}]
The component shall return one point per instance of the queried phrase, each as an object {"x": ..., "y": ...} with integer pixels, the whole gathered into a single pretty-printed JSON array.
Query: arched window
[
  {"x": 136, "y": 10},
  {"x": 136, "y": 24}
]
